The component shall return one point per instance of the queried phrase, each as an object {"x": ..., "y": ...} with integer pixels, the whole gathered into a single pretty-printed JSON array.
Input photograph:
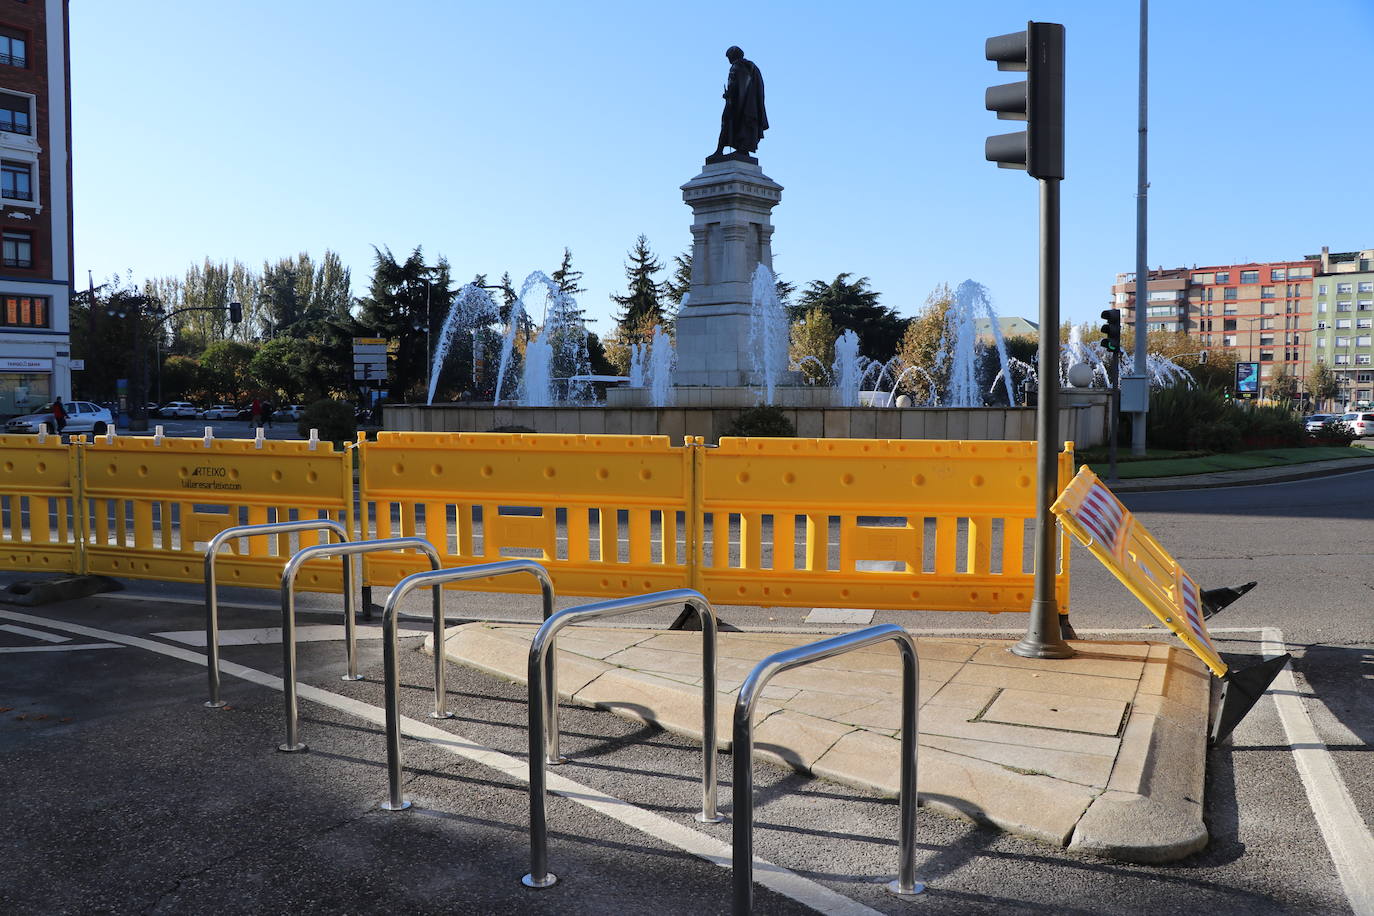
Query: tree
[
  {"x": 1323, "y": 383},
  {"x": 286, "y": 366},
  {"x": 1283, "y": 383},
  {"x": 225, "y": 371},
  {"x": 642, "y": 301},
  {"x": 852, "y": 306},
  {"x": 395, "y": 308},
  {"x": 568, "y": 280},
  {"x": 679, "y": 282},
  {"x": 812, "y": 346},
  {"x": 920, "y": 348}
]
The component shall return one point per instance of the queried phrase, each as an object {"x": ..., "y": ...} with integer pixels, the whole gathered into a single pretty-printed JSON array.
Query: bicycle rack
[
  {"x": 435, "y": 579},
  {"x": 541, "y": 660},
  {"x": 288, "y": 622},
  {"x": 743, "y": 748},
  {"x": 212, "y": 599}
]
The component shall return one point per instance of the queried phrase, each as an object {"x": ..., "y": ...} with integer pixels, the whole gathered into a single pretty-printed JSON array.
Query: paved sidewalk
[
  {"x": 1244, "y": 477},
  {"x": 1103, "y": 753}
]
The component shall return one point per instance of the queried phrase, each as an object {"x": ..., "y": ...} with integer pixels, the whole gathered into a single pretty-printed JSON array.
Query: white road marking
[
  {"x": 264, "y": 636},
  {"x": 8, "y": 650},
  {"x": 803, "y": 890},
  {"x": 34, "y": 634},
  {"x": 1347, "y": 838}
]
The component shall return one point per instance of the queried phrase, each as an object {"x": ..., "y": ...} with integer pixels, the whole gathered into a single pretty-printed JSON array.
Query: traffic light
[
  {"x": 1111, "y": 327},
  {"x": 236, "y": 312},
  {"x": 1039, "y": 101}
]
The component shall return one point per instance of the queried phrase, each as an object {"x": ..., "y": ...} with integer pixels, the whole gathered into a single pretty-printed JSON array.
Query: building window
[
  {"x": 1223, "y": 276},
  {"x": 1321, "y": 308},
  {"x": 1364, "y": 377},
  {"x": 1342, "y": 341},
  {"x": 1266, "y": 340},
  {"x": 1364, "y": 322},
  {"x": 1321, "y": 289},
  {"x": 1228, "y": 340},
  {"x": 1365, "y": 286},
  {"x": 1342, "y": 324},
  {"x": 1249, "y": 276},
  {"x": 18, "y": 249},
  {"x": 1266, "y": 324},
  {"x": 1343, "y": 306},
  {"x": 1342, "y": 359},
  {"x": 1295, "y": 273},
  {"x": 1278, "y": 273},
  {"x": 1366, "y": 305},
  {"x": 26, "y": 312},
  {"x": 16, "y": 180},
  {"x": 1201, "y": 279},
  {"x": 1229, "y": 293},
  {"x": 1321, "y": 342},
  {"x": 1266, "y": 292},
  {"x": 1342, "y": 288},
  {"x": 1266, "y": 356},
  {"x": 1228, "y": 324},
  {"x": 14, "y": 114},
  {"x": 13, "y": 48},
  {"x": 1363, "y": 340}
]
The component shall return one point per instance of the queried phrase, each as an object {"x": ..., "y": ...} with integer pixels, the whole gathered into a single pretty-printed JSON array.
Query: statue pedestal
[{"x": 732, "y": 234}]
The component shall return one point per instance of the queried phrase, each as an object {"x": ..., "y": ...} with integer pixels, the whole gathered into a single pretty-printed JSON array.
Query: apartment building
[
  {"x": 1344, "y": 321},
  {"x": 1263, "y": 311},
  {"x": 35, "y": 204}
]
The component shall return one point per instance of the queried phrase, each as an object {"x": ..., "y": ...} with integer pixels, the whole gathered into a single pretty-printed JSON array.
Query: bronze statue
[{"x": 744, "y": 118}]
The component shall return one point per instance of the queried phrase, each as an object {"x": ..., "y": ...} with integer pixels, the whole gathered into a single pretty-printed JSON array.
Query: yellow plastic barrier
[
  {"x": 1094, "y": 515},
  {"x": 894, "y": 524},
  {"x": 151, "y": 504},
  {"x": 39, "y": 529},
  {"x": 604, "y": 514}
]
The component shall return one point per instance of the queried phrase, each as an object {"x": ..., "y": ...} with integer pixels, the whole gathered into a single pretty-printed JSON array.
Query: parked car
[
  {"x": 177, "y": 409},
  {"x": 82, "y": 417},
  {"x": 220, "y": 412},
  {"x": 288, "y": 412},
  {"x": 1359, "y": 422},
  {"x": 1315, "y": 422}
]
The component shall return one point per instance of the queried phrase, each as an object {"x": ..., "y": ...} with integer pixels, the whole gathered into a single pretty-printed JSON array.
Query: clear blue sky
[{"x": 495, "y": 134}]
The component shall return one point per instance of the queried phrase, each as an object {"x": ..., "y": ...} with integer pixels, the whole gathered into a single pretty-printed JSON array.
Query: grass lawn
[{"x": 1167, "y": 466}]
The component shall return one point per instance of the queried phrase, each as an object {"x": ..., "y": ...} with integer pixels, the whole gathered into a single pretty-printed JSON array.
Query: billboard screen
[{"x": 1247, "y": 380}]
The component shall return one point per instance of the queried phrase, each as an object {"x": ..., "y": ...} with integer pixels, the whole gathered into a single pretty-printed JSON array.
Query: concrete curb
[
  {"x": 1243, "y": 478},
  {"x": 1150, "y": 809}
]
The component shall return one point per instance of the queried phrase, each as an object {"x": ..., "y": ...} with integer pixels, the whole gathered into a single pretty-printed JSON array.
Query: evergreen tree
[
  {"x": 568, "y": 280},
  {"x": 679, "y": 284},
  {"x": 855, "y": 307},
  {"x": 642, "y": 301},
  {"x": 813, "y": 336}
]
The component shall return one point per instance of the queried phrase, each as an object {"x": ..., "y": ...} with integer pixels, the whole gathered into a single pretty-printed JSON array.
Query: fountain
[
  {"x": 845, "y": 370},
  {"x": 558, "y": 353},
  {"x": 768, "y": 330},
  {"x": 661, "y": 361},
  {"x": 473, "y": 309}
]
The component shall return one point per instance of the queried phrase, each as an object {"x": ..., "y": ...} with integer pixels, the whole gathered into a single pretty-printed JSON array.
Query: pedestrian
[
  {"x": 267, "y": 414},
  {"x": 255, "y": 412},
  {"x": 59, "y": 414}
]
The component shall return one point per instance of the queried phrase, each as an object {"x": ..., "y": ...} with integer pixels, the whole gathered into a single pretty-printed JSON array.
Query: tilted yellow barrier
[
  {"x": 151, "y": 504},
  {"x": 39, "y": 529},
  {"x": 1094, "y": 515},
  {"x": 895, "y": 524},
  {"x": 604, "y": 514}
]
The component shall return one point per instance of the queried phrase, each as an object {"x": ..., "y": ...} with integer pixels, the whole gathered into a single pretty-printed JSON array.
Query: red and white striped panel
[{"x": 1103, "y": 516}]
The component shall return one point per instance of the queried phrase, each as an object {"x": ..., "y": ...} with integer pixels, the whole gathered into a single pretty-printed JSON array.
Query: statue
[{"x": 744, "y": 118}]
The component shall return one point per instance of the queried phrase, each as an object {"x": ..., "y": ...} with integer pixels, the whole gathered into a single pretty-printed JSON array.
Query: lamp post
[{"x": 136, "y": 306}]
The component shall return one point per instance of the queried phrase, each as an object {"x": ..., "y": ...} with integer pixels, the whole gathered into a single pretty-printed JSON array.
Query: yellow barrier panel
[
  {"x": 892, "y": 524},
  {"x": 151, "y": 504},
  {"x": 39, "y": 531},
  {"x": 604, "y": 514},
  {"x": 1097, "y": 518}
]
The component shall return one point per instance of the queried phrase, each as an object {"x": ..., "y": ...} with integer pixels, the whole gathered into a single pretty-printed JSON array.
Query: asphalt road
[{"x": 124, "y": 794}]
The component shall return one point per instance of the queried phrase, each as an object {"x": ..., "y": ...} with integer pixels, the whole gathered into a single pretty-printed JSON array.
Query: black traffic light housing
[
  {"x": 1039, "y": 101},
  {"x": 236, "y": 312},
  {"x": 1111, "y": 327}
]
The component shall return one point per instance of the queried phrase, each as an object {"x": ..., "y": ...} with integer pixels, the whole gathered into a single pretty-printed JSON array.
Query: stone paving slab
[{"x": 1104, "y": 752}]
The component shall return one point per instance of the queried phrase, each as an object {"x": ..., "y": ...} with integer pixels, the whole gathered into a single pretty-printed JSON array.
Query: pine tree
[
  {"x": 642, "y": 301},
  {"x": 568, "y": 280}
]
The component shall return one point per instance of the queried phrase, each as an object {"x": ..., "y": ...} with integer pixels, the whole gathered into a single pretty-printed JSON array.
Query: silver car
[{"x": 82, "y": 417}]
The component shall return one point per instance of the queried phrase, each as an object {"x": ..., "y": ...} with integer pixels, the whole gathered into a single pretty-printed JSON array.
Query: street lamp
[{"x": 136, "y": 306}]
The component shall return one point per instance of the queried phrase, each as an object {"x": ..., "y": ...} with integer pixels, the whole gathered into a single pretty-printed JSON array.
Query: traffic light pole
[{"x": 1043, "y": 639}]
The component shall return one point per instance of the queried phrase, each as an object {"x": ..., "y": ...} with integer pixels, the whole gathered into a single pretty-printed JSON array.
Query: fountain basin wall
[{"x": 1082, "y": 423}]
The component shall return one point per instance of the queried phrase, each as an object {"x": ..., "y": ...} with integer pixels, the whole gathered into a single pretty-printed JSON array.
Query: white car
[
  {"x": 1315, "y": 422},
  {"x": 220, "y": 412},
  {"x": 82, "y": 417},
  {"x": 1359, "y": 422},
  {"x": 178, "y": 409},
  {"x": 289, "y": 412}
]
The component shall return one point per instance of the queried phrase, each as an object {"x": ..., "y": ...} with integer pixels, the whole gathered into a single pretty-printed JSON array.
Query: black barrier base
[
  {"x": 1214, "y": 600},
  {"x": 1066, "y": 630},
  {"x": 689, "y": 620},
  {"x": 1240, "y": 691}
]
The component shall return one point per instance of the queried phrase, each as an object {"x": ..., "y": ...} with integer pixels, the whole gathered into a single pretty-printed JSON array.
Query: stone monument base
[{"x": 736, "y": 396}]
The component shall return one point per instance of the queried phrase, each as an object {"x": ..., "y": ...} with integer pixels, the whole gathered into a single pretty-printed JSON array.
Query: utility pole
[
  {"x": 1039, "y": 149},
  {"x": 1137, "y": 392}
]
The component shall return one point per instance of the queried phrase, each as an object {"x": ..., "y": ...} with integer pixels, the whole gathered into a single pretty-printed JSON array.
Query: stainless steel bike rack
[
  {"x": 435, "y": 579},
  {"x": 743, "y": 748},
  {"x": 288, "y": 622},
  {"x": 212, "y": 600},
  {"x": 542, "y": 703}
]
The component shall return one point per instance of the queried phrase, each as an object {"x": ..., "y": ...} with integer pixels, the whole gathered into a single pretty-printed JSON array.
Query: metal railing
[
  {"x": 288, "y": 623},
  {"x": 743, "y": 748},
  {"x": 434, "y": 579},
  {"x": 212, "y": 599},
  {"x": 542, "y": 752}
]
